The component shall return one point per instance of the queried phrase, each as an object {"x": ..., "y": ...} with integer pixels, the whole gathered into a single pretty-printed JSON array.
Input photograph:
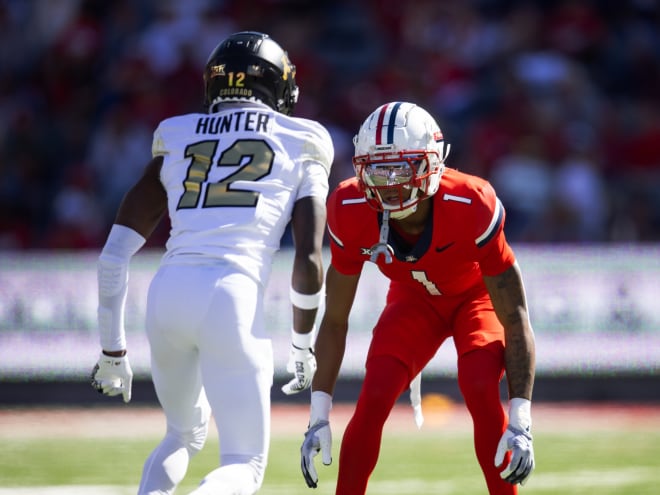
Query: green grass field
[
  {"x": 605, "y": 463},
  {"x": 588, "y": 462}
]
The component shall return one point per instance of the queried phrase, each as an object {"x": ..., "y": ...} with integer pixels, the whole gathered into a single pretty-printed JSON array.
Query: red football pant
[
  {"x": 479, "y": 373},
  {"x": 386, "y": 378}
]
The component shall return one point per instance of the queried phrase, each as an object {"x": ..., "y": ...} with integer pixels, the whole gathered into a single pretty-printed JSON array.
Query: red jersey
[{"x": 463, "y": 238}]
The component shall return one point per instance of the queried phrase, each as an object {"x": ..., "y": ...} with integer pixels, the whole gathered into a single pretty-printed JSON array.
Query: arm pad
[{"x": 112, "y": 275}]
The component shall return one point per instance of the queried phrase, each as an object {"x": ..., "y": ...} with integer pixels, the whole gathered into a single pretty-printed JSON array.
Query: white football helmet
[{"x": 399, "y": 157}]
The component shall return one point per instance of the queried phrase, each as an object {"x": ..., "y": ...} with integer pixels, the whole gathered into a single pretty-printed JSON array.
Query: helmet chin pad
[{"x": 401, "y": 214}]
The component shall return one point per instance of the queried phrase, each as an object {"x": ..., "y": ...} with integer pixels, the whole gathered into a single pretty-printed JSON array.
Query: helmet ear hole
[{"x": 288, "y": 101}]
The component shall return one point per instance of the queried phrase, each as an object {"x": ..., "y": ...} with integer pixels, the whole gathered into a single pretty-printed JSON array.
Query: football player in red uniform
[{"x": 437, "y": 234}]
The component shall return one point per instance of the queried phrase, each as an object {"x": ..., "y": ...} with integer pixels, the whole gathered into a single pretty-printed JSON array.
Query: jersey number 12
[{"x": 254, "y": 157}]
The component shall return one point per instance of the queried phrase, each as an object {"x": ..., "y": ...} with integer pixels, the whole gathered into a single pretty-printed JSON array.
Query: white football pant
[{"x": 210, "y": 354}]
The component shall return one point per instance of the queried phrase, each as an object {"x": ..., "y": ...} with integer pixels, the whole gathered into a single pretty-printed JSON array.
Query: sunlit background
[{"x": 555, "y": 102}]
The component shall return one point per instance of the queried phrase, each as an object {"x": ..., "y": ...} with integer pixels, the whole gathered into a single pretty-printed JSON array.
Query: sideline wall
[{"x": 594, "y": 310}]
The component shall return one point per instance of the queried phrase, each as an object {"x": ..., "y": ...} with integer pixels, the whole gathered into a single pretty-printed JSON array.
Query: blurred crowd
[{"x": 557, "y": 103}]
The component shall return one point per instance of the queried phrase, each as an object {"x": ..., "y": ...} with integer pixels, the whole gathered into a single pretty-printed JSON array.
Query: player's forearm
[
  {"x": 330, "y": 347},
  {"x": 307, "y": 272},
  {"x": 520, "y": 362},
  {"x": 306, "y": 291},
  {"x": 325, "y": 379},
  {"x": 308, "y": 226},
  {"x": 509, "y": 301}
]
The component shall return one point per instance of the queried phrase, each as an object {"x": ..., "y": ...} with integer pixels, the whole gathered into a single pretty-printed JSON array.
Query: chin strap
[{"x": 382, "y": 247}]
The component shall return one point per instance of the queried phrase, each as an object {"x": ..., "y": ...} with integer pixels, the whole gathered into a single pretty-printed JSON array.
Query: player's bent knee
[
  {"x": 197, "y": 438},
  {"x": 193, "y": 441}
]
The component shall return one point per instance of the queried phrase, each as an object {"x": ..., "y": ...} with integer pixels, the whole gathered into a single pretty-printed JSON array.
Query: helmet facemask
[{"x": 398, "y": 181}]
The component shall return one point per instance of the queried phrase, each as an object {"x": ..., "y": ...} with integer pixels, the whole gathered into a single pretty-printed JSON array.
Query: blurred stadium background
[{"x": 557, "y": 103}]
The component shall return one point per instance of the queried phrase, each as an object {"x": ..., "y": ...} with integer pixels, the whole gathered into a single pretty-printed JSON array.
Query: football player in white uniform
[{"x": 231, "y": 180}]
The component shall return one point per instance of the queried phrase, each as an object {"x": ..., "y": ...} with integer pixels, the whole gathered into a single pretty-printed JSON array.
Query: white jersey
[{"x": 232, "y": 178}]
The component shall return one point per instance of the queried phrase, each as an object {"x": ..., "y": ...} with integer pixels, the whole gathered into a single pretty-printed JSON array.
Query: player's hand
[
  {"x": 302, "y": 363},
  {"x": 113, "y": 376},
  {"x": 517, "y": 438},
  {"x": 318, "y": 438},
  {"x": 522, "y": 455}
]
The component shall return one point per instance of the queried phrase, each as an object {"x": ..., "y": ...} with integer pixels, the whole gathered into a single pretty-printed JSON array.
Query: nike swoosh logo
[{"x": 442, "y": 248}]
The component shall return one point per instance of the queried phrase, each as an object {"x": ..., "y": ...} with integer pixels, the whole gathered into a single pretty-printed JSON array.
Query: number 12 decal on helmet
[{"x": 251, "y": 65}]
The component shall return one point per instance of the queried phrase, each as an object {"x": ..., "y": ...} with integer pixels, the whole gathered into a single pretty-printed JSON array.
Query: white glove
[
  {"x": 302, "y": 363},
  {"x": 318, "y": 438},
  {"x": 518, "y": 439},
  {"x": 113, "y": 376}
]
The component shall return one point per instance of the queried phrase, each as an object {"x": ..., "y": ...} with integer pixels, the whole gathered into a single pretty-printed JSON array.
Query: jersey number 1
[
  {"x": 420, "y": 276},
  {"x": 259, "y": 156}
]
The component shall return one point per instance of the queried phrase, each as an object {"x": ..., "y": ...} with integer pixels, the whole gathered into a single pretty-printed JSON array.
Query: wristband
[
  {"x": 302, "y": 340},
  {"x": 520, "y": 415},
  {"x": 305, "y": 301},
  {"x": 320, "y": 407}
]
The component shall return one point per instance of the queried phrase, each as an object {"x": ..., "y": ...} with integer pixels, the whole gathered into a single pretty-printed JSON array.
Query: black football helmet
[{"x": 248, "y": 65}]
